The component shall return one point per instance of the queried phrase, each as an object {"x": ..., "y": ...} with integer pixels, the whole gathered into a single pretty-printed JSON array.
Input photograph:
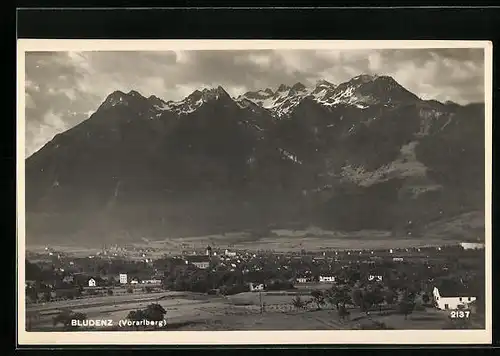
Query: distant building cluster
[
  {"x": 379, "y": 267},
  {"x": 472, "y": 245}
]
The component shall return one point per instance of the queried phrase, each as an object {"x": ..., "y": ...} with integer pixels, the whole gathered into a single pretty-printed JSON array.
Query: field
[
  {"x": 464, "y": 227},
  {"x": 191, "y": 311}
]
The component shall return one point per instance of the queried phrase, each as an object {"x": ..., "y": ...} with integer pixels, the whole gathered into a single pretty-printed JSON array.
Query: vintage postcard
[{"x": 254, "y": 192}]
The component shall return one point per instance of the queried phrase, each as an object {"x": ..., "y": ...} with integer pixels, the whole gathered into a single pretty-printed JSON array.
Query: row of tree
[{"x": 366, "y": 299}]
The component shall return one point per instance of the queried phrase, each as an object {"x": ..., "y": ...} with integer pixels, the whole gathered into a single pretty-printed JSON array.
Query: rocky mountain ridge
[{"x": 364, "y": 154}]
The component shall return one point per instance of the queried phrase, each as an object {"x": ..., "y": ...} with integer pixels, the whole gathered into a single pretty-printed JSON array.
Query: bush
[
  {"x": 298, "y": 303},
  {"x": 130, "y": 290}
]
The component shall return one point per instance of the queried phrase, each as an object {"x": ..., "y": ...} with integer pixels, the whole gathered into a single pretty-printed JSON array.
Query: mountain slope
[{"x": 364, "y": 154}]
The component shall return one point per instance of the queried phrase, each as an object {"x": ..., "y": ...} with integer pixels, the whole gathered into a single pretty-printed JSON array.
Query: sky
[{"x": 64, "y": 88}]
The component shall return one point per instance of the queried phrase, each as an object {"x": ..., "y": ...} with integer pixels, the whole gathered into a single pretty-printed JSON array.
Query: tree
[
  {"x": 79, "y": 316},
  {"x": 64, "y": 318},
  {"x": 298, "y": 303},
  {"x": 343, "y": 312},
  {"x": 318, "y": 298},
  {"x": 343, "y": 296},
  {"x": 136, "y": 315},
  {"x": 425, "y": 298},
  {"x": 46, "y": 297},
  {"x": 367, "y": 301},
  {"x": 130, "y": 290},
  {"x": 31, "y": 292},
  {"x": 353, "y": 276},
  {"x": 357, "y": 297},
  {"x": 389, "y": 296},
  {"x": 111, "y": 281},
  {"x": 406, "y": 307},
  {"x": 110, "y": 292},
  {"x": 155, "y": 312},
  {"x": 331, "y": 297},
  {"x": 377, "y": 298}
]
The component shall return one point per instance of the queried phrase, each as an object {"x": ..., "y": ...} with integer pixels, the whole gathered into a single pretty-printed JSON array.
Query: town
[{"x": 370, "y": 283}]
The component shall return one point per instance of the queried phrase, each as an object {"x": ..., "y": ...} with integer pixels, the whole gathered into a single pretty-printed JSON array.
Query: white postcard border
[{"x": 245, "y": 337}]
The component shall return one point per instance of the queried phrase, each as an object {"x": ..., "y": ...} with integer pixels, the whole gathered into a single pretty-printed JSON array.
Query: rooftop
[{"x": 454, "y": 290}]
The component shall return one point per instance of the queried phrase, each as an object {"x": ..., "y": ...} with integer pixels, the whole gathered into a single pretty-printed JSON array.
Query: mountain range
[{"x": 366, "y": 154}]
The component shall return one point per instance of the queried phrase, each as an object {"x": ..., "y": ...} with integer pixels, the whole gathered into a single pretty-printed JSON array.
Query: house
[
  {"x": 472, "y": 246},
  {"x": 375, "y": 278},
  {"x": 255, "y": 287},
  {"x": 201, "y": 262},
  {"x": 451, "y": 298},
  {"x": 151, "y": 281},
  {"x": 397, "y": 259},
  {"x": 92, "y": 282},
  {"x": 123, "y": 278},
  {"x": 230, "y": 253},
  {"x": 326, "y": 279},
  {"x": 302, "y": 280}
]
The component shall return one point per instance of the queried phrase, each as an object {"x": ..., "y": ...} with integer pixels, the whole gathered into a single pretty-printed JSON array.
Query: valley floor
[{"x": 195, "y": 312}]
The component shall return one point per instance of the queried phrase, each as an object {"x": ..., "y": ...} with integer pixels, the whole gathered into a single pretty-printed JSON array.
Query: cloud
[{"x": 62, "y": 88}]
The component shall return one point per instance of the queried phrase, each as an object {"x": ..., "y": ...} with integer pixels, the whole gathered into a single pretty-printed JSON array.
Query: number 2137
[{"x": 459, "y": 314}]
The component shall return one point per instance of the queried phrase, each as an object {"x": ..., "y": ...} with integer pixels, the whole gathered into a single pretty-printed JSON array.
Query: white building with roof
[
  {"x": 447, "y": 298},
  {"x": 472, "y": 245},
  {"x": 123, "y": 278}
]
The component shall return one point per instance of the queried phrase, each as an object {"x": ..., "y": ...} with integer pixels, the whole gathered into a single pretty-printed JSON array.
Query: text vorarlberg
[{"x": 121, "y": 323}]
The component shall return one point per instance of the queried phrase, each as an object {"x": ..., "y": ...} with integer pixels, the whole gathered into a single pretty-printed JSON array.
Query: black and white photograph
[{"x": 256, "y": 186}]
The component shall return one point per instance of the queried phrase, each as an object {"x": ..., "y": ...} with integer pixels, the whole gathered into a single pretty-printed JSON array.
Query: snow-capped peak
[
  {"x": 195, "y": 100},
  {"x": 322, "y": 90},
  {"x": 157, "y": 102},
  {"x": 282, "y": 88},
  {"x": 257, "y": 95},
  {"x": 280, "y": 102},
  {"x": 360, "y": 91},
  {"x": 208, "y": 94},
  {"x": 119, "y": 98},
  {"x": 365, "y": 78},
  {"x": 323, "y": 83},
  {"x": 286, "y": 98},
  {"x": 365, "y": 90},
  {"x": 298, "y": 87}
]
